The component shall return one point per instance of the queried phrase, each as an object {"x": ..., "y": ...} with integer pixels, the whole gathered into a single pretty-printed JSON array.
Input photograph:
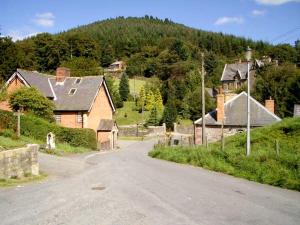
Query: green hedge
[{"x": 38, "y": 128}]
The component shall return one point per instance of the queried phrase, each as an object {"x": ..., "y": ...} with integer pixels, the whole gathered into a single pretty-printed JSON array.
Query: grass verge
[
  {"x": 17, "y": 181},
  {"x": 61, "y": 148},
  {"x": 264, "y": 165}
]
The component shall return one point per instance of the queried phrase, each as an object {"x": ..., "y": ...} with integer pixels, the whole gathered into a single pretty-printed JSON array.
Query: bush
[
  {"x": 31, "y": 100},
  {"x": 38, "y": 129}
]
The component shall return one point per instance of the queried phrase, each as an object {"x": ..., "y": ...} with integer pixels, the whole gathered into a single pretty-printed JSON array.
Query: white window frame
[{"x": 75, "y": 89}]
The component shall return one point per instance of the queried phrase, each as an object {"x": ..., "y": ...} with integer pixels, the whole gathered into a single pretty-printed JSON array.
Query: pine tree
[
  {"x": 170, "y": 113},
  {"x": 124, "y": 87},
  {"x": 153, "y": 118},
  {"x": 141, "y": 100},
  {"x": 158, "y": 102},
  {"x": 149, "y": 101}
]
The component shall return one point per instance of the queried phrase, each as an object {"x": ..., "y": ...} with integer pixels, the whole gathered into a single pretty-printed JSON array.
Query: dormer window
[
  {"x": 72, "y": 91},
  {"x": 77, "y": 81}
]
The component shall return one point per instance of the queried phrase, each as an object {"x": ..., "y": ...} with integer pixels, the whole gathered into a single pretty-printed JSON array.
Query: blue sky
[{"x": 275, "y": 21}]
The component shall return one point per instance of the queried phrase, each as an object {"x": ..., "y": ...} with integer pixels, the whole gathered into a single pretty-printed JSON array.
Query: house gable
[{"x": 236, "y": 113}]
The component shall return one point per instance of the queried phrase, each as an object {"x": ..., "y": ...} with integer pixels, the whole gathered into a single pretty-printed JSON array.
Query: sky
[{"x": 274, "y": 21}]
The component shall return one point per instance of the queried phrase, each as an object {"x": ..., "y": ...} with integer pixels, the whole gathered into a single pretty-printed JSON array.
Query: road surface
[{"x": 126, "y": 187}]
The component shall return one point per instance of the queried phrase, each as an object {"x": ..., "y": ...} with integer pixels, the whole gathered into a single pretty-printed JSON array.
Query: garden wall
[{"x": 20, "y": 162}]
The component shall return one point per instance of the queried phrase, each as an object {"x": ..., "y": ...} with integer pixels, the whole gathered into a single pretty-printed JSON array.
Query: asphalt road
[{"x": 127, "y": 187}]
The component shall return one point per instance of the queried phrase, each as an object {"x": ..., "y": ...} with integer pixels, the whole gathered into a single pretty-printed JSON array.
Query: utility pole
[
  {"x": 203, "y": 101},
  {"x": 248, "y": 57}
]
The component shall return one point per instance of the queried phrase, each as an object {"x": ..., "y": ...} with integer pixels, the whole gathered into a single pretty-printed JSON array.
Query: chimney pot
[
  {"x": 62, "y": 73},
  {"x": 270, "y": 105}
]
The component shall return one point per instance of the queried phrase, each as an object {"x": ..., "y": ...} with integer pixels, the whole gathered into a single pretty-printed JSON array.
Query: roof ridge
[{"x": 35, "y": 72}]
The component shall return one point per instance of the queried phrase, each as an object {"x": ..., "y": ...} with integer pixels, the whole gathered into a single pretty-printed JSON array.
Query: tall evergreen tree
[
  {"x": 170, "y": 113},
  {"x": 149, "y": 101},
  {"x": 153, "y": 118},
  {"x": 124, "y": 87},
  {"x": 141, "y": 100}
]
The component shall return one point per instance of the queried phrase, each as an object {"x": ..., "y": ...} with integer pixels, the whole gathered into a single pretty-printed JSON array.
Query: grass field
[
  {"x": 264, "y": 165},
  {"x": 127, "y": 116},
  {"x": 135, "y": 85}
]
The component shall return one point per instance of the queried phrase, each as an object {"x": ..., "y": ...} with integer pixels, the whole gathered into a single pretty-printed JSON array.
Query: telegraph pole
[
  {"x": 248, "y": 57},
  {"x": 203, "y": 101}
]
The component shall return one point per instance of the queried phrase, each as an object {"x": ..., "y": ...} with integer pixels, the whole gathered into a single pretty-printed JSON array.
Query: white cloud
[
  {"x": 227, "y": 20},
  {"x": 275, "y": 2},
  {"x": 257, "y": 12},
  {"x": 44, "y": 19},
  {"x": 22, "y": 34}
]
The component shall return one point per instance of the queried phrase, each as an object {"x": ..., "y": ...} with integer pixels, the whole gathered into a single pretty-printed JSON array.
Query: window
[
  {"x": 57, "y": 117},
  {"x": 77, "y": 81},
  {"x": 79, "y": 117},
  {"x": 72, "y": 91}
]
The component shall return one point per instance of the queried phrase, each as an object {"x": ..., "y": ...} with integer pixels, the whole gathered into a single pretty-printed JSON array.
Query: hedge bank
[{"x": 38, "y": 128}]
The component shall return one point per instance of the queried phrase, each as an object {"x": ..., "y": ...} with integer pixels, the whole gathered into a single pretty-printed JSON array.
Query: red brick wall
[
  {"x": 14, "y": 85},
  {"x": 69, "y": 119}
]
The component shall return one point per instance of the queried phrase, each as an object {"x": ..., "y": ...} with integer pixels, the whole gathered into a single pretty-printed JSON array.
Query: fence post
[
  {"x": 222, "y": 137},
  {"x": 277, "y": 147}
]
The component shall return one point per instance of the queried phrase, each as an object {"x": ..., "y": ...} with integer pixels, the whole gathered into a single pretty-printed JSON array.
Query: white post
[
  {"x": 248, "y": 56},
  {"x": 203, "y": 101}
]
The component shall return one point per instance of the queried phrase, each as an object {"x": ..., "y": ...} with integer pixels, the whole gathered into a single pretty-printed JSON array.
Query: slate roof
[
  {"x": 236, "y": 69},
  {"x": 37, "y": 80},
  {"x": 84, "y": 95},
  {"x": 81, "y": 100},
  {"x": 105, "y": 125},
  {"x": 236, "y": 113}
]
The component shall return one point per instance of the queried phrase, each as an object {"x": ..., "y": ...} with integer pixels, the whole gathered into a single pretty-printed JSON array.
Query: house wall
[
  {"x": 101, "y": 109},
  {"x": 69, "y": 119},
  {"x": 14, "y": 85}
]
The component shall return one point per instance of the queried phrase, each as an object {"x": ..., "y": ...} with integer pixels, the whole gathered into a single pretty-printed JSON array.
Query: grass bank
[
  {"x": 264, "y": 165},
  {"x": 8, "y": 140},
  {"x": 128, "y": 116}
]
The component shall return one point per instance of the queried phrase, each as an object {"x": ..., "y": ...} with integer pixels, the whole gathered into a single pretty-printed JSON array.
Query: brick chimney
[
  {"x": 220, "y": 107},
  {"x": 62, "y": 73},
  {"x": 270, "y": 105}
]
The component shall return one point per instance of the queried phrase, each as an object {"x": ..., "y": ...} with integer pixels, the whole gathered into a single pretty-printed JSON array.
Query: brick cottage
[{"x": 80, "y": 102}]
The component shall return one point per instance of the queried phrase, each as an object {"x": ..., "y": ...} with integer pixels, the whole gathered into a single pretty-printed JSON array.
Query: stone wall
[
  {"x": 215, "y": 133},
  {"x": 16, "y": 163},
  {"x": 133, "y": 130},
  {"x": 185, "y": 129}
]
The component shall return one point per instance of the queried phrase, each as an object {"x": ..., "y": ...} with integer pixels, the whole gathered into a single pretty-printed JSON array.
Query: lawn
[
  {"x": 135, "y": 85},
  {"x": 128, "y": 116},
  {"x": 265, "y": 164}
]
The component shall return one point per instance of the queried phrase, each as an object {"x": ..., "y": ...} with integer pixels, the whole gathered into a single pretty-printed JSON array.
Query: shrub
[
  {"x": 37, "y": 128},
  {"x": 31, "y": 100}
]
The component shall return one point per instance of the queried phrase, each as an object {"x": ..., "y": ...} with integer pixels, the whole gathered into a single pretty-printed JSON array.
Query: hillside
[{"x": 264, "y": 165}]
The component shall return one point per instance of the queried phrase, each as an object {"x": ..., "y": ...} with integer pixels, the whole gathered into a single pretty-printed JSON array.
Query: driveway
[{"x": 127, "y": 187}]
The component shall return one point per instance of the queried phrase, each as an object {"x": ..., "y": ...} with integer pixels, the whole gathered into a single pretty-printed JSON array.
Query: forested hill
[
  {"x": 148, "y": 45},
  {"x": 130, "y": 35}
]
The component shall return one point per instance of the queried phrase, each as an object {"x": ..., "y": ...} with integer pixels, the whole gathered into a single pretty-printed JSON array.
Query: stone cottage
[
  {"x": 80, "y": 102},
  {"x": 232, "y": 112},
  {"x": 235, "y": 75}
]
